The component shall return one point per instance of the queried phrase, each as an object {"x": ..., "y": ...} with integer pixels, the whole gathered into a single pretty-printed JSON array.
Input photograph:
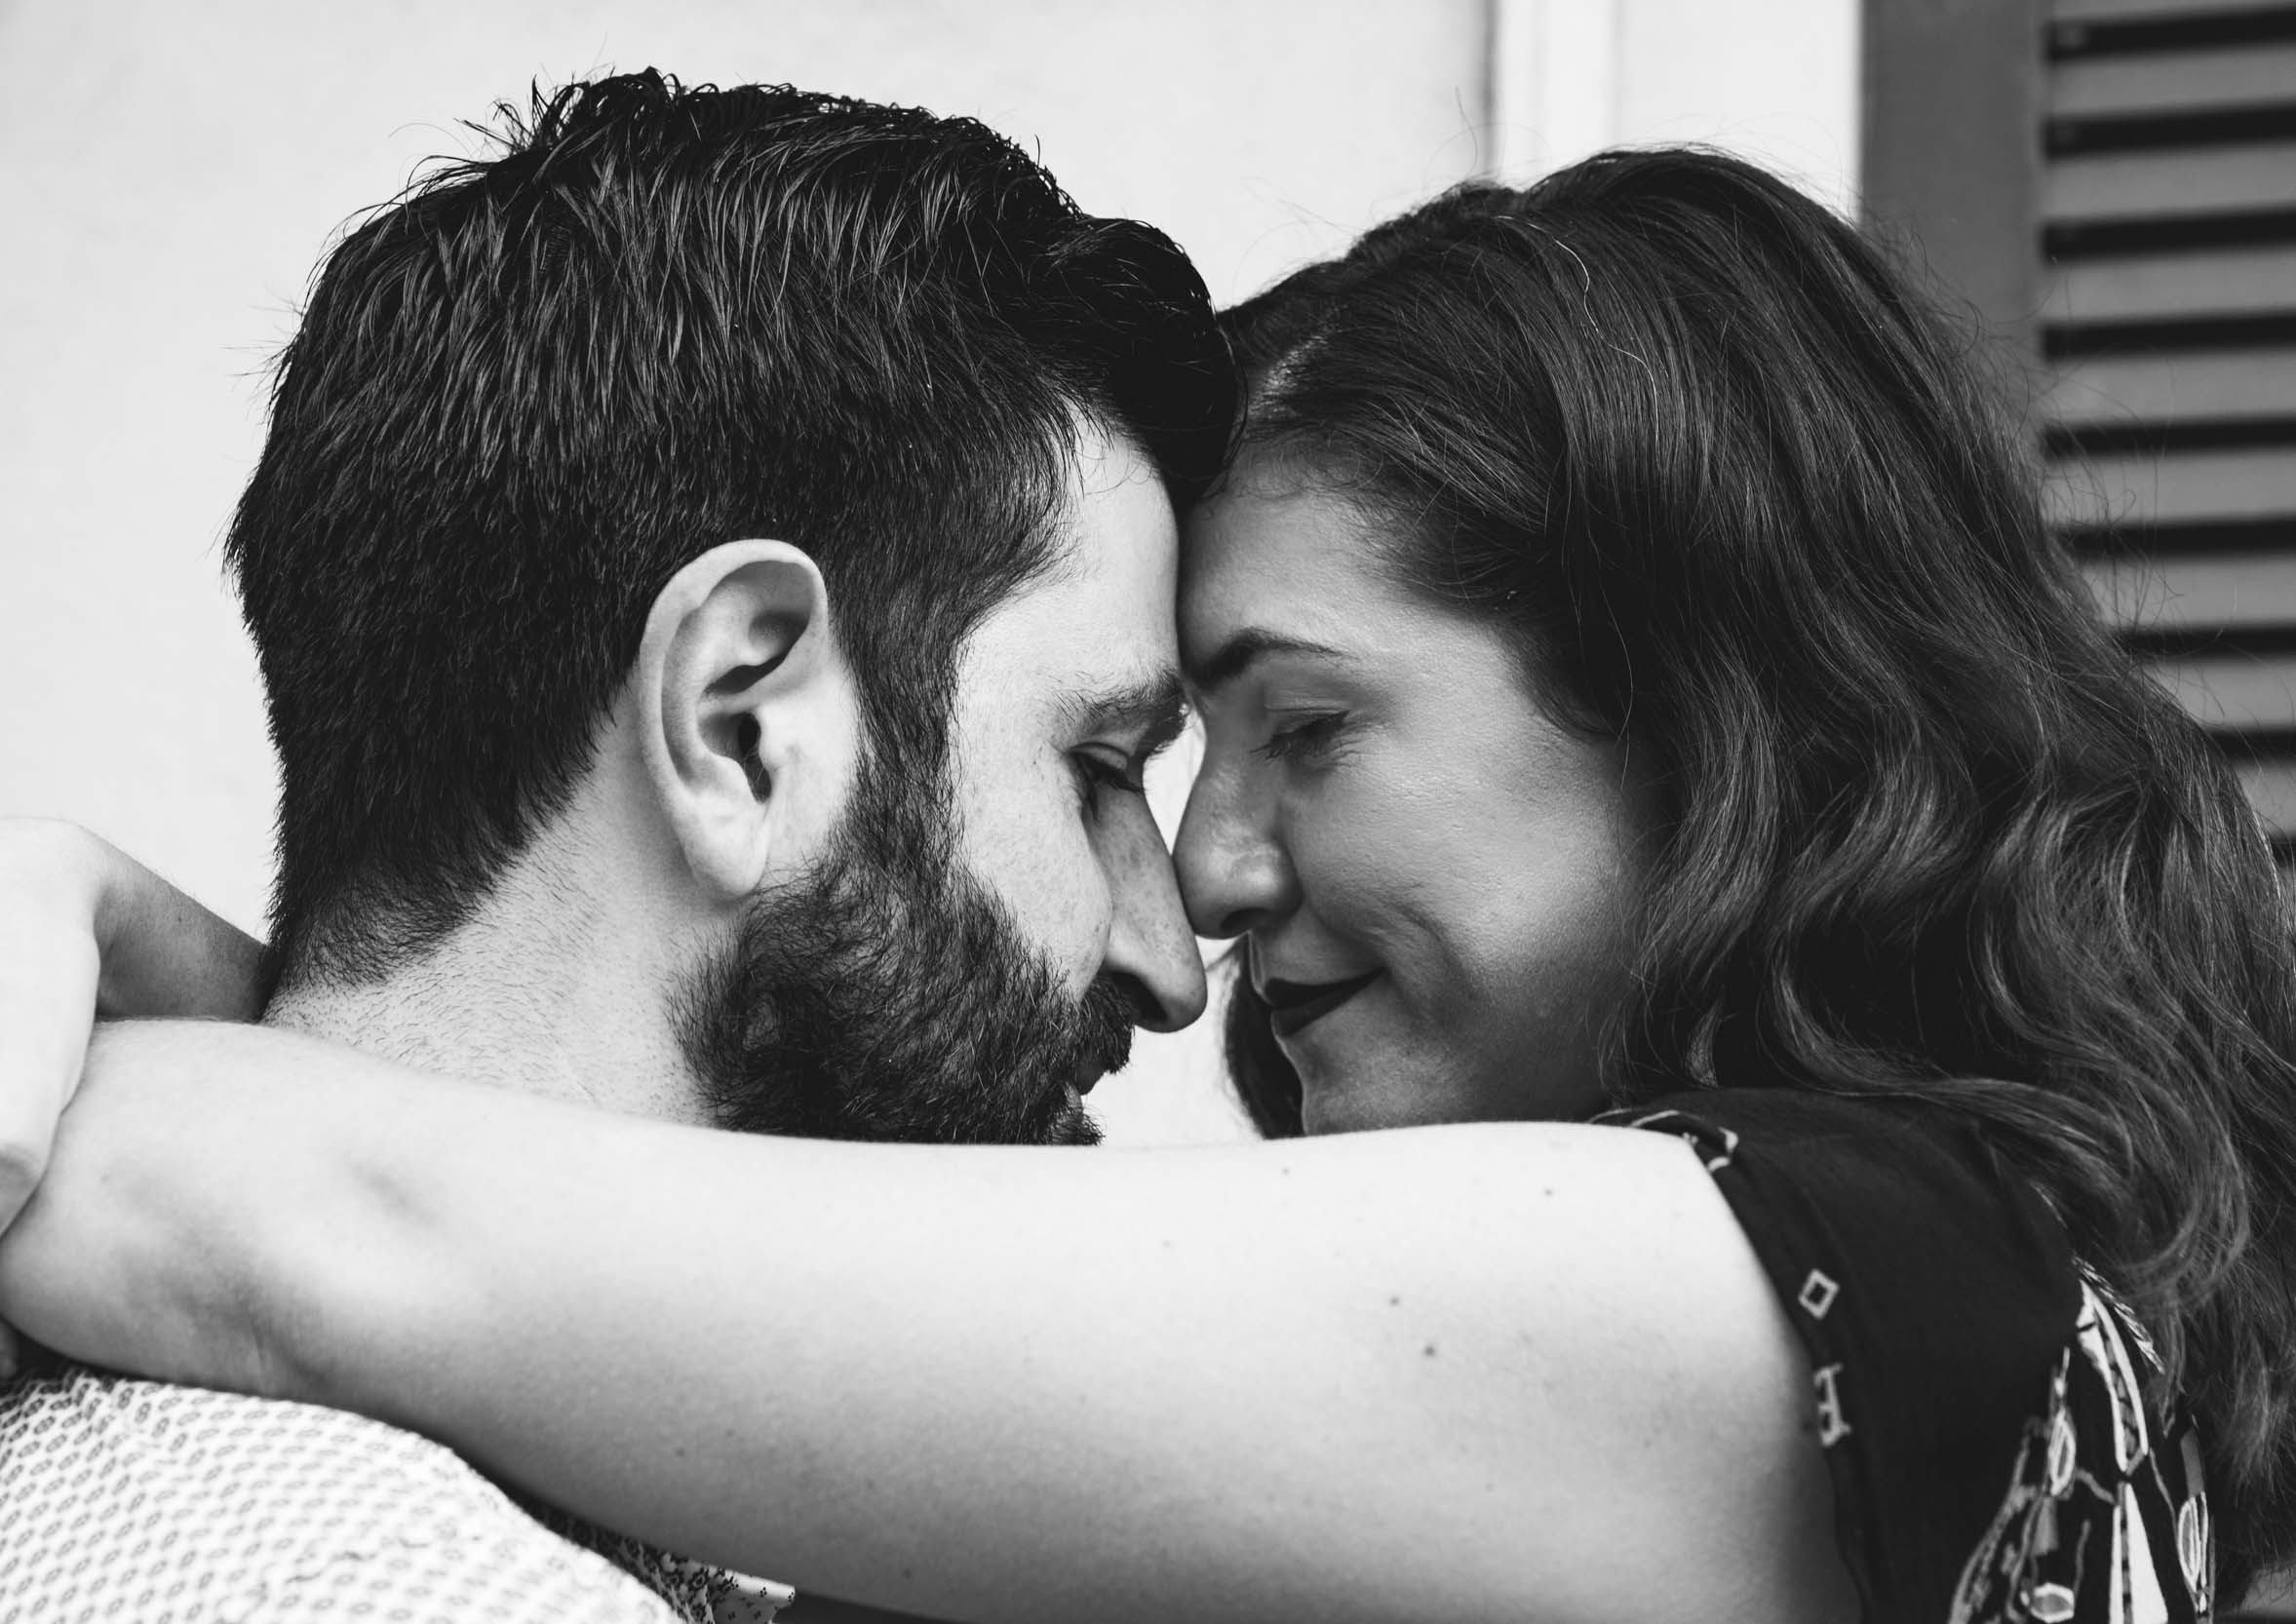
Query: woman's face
[{"x": 1431, "y": 875}]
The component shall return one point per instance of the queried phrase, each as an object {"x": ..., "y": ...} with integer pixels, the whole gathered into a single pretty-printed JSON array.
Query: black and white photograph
[{"x": 1086, "y": 812}]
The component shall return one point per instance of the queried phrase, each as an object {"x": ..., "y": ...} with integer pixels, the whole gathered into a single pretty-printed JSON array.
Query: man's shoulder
[{"x": 133, "y": 1500}]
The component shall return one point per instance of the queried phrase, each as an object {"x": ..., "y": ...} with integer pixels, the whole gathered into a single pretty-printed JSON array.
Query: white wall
[
  {"x": 1775, "y": 80},
  {"x": 170, "y": 174}
]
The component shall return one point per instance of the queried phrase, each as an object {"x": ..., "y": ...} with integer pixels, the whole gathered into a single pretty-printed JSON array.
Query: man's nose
[
  {"x": 1235, "y": 876},
  {"x": 1150, "y": 945}
]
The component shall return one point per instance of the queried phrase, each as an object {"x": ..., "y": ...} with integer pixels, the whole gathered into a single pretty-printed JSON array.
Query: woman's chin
[
  {"x": 1357, "y": 1094},
  {"x": 1388, "y": 1079},
  {"x": 1343, "y": 1086},
  {"x": 1367, "y": 1063},
  {"x": 1321, "y": 1112}
]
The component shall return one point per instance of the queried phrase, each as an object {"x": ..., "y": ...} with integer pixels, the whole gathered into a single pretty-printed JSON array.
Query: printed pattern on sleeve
[
  {"x": 2105, "y": 1515},
  {"x": 137, "y": 1502},
  {"x": 1981, "y": 1398}
]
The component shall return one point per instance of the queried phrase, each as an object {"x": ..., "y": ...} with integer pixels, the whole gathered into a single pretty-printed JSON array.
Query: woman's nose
[{"x": 1234, "y": 873}]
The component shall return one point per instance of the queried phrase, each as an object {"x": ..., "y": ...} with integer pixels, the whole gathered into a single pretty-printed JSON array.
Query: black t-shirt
[{"x": 1981, "y": 1398}]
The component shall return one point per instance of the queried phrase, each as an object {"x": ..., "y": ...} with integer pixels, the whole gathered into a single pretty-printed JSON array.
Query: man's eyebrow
[
  {"x": 1232, "y": 658},
  {"x": 1155, "y": 707}
]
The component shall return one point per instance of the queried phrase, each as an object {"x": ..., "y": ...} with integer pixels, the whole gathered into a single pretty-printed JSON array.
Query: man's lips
[{"x": 1293, "y": 1005}]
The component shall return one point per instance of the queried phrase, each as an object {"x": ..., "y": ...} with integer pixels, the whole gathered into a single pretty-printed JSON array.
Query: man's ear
[{"x": 745, "y": 712}]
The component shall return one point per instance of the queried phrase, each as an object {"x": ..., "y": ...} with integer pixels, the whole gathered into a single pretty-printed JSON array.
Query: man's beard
[{"x": 887, "y": 996}]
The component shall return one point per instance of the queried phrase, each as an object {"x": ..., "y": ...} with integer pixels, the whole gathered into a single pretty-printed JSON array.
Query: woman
[{"x": 1637, "y": 684}]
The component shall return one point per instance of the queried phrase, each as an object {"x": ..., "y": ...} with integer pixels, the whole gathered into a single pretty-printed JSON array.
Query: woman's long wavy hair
[{"x": 1929, "y": 833}]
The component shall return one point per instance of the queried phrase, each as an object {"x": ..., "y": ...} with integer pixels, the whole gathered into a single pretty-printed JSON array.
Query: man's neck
[{"x": 529, "y": 994}]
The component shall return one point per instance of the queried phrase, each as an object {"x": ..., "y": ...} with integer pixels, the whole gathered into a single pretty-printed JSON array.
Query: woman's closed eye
[{"x": 1304, "y": 736}]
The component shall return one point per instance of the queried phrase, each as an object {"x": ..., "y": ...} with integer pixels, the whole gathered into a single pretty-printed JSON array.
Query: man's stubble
[{"x": 886, "y": 994}]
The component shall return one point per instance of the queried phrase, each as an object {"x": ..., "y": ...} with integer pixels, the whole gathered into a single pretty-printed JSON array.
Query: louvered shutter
[
  {"x": 2168, "y": 197},
  {"x": 2113, "y": 185}
]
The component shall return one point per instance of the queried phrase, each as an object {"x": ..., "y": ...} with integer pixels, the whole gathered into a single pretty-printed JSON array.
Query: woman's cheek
[{"x": 1362, "y": 870}]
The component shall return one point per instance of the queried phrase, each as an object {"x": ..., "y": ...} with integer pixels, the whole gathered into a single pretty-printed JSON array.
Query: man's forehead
[
  {"x": 1078, "y": 662},
  {"x": 1109, "y": 596},
  {"x": 1114, "y": 497},
  {"x": 1090, "y": 640}
]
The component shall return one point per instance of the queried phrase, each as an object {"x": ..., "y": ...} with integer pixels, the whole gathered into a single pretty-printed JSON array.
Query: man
[{"x": 712, "y": 566}]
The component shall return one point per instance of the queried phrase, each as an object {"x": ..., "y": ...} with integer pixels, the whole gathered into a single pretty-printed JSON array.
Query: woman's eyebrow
[{"x": 1232, "y": 658}]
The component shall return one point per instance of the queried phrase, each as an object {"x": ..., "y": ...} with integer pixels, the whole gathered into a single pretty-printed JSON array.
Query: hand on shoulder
[{"x": 86, "y": 931}]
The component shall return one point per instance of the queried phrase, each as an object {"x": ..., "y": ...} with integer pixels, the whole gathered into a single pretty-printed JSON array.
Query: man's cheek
[{"x": 1063, "y": 907}]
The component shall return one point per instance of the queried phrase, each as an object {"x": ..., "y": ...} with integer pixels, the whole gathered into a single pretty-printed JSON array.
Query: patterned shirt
[
  {"x": 2000, "y": 1448},
  {"x": 135, "y": 1502}
]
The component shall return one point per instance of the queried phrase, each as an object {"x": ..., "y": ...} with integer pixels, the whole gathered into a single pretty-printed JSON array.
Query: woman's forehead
[{"x": 1258, "y": 546}]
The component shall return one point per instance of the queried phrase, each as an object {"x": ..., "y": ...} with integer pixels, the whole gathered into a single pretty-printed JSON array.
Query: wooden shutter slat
[
  {"x": 2233, "y": 691},
  {"x": 2172, "y": 81},
  {"x": 2125, "y": 11},
  {"x": 2260, "y": 175},
  {"x": 2169, "y": 315},
  {"x": 2174, "y": 488},
  {"x": 2272, "y": 791},
  {"x": 2232, "y": 281},
  {"x": 2172, "y": 387},
  {"x": 2195, "y": 591}
]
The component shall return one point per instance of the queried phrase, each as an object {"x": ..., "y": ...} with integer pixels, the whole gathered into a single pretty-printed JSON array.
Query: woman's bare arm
[
  {"x": 1454, "y": 1372},
  {"x": 87, "y": 930}
]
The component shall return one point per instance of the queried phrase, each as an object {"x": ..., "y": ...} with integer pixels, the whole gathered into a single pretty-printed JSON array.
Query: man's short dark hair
[{"x": 530, "y": 390}]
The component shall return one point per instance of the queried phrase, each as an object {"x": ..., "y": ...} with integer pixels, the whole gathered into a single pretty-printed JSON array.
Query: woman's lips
[{"x": 1294, "y": 1005}]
